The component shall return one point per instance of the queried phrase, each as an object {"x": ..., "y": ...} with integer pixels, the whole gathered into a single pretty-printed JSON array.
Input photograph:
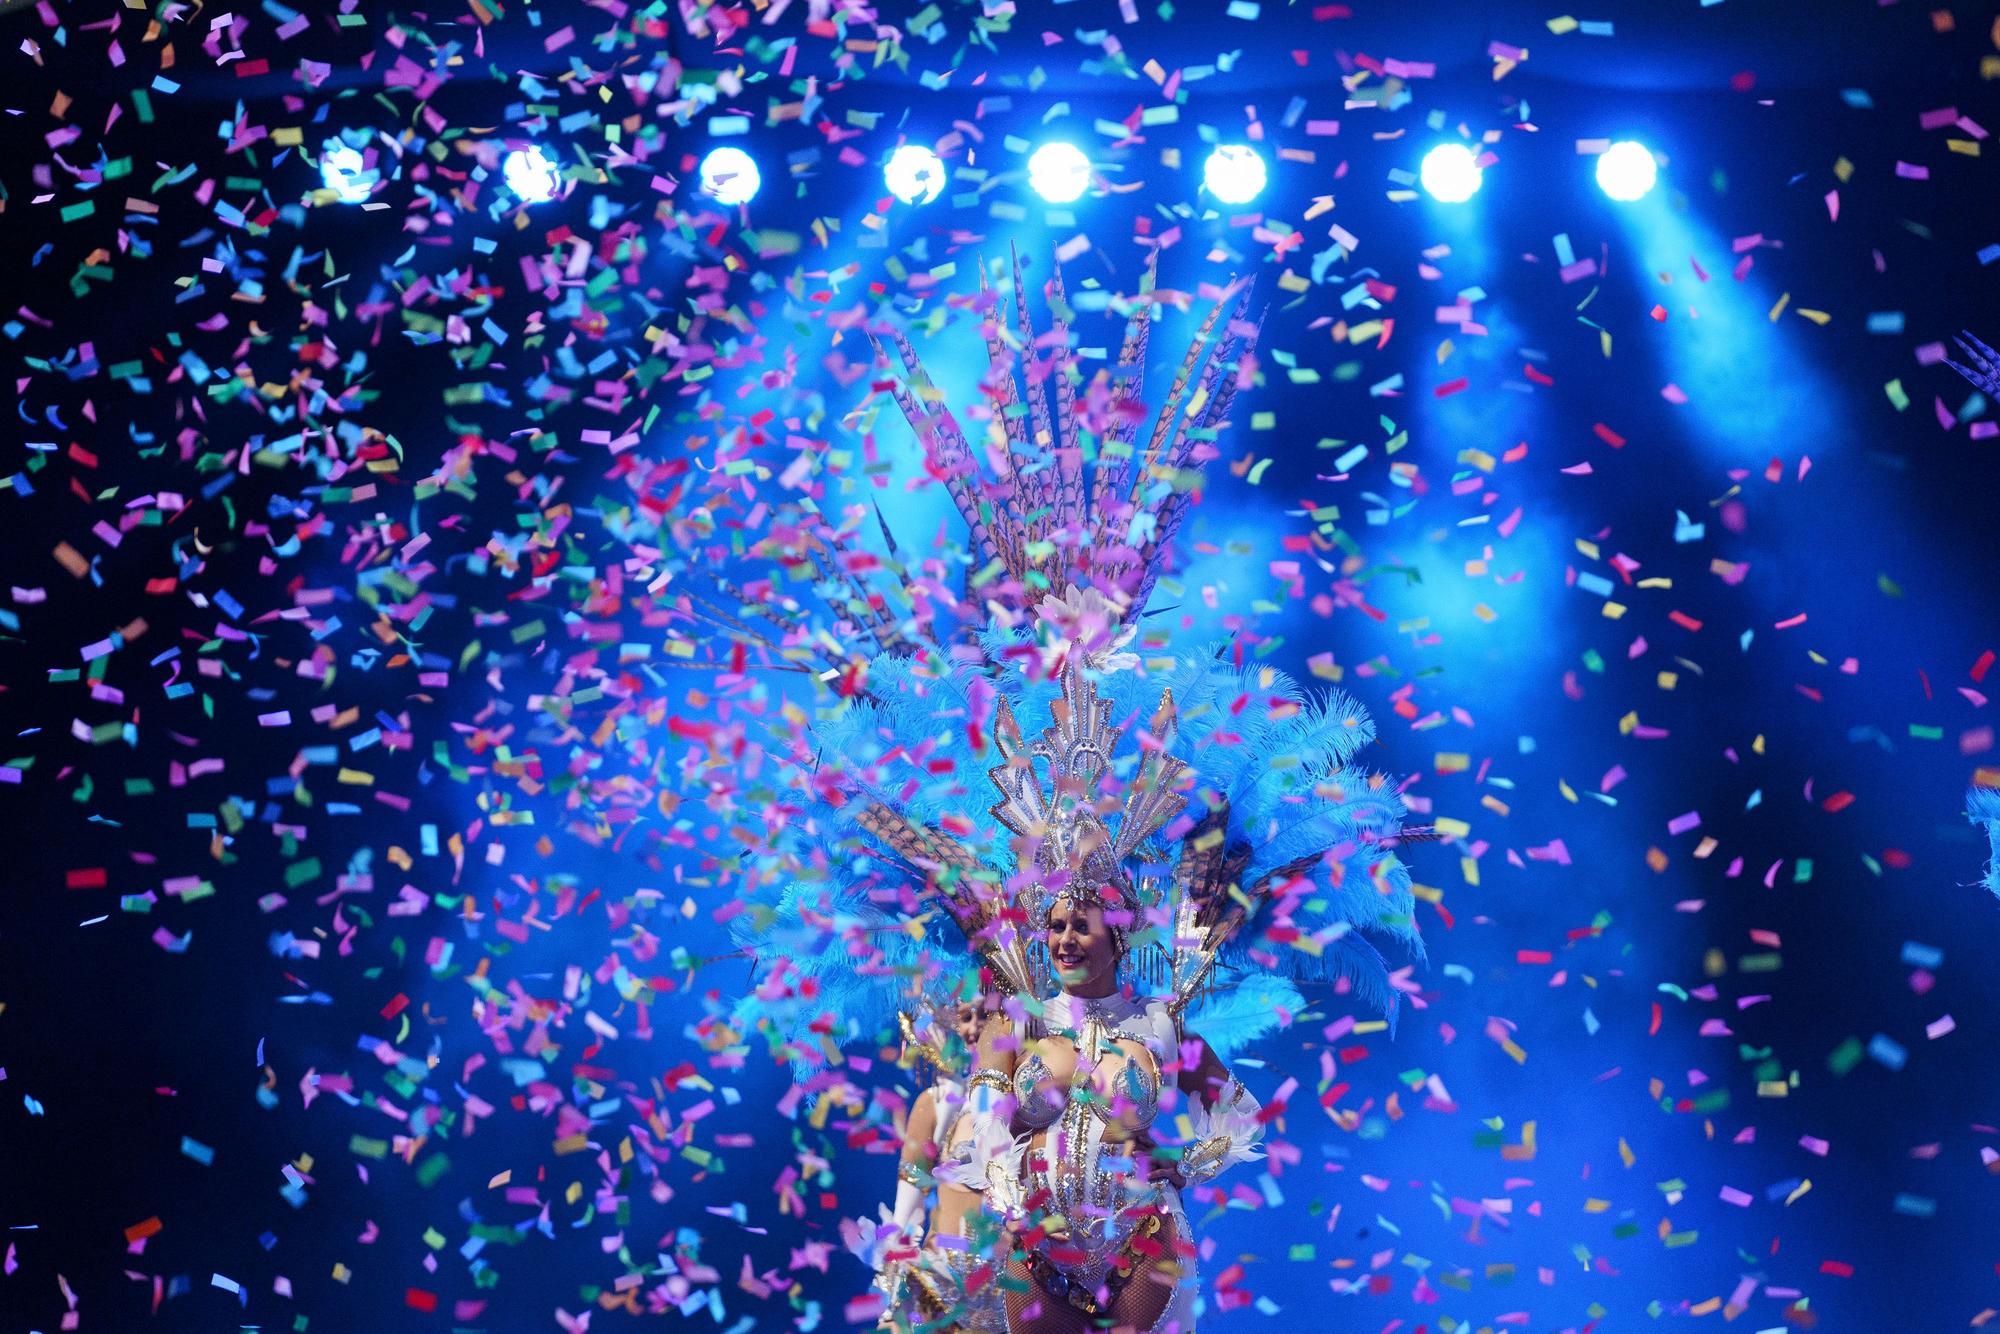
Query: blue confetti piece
[
  {"x": 1888, "y": 1051},
  {"x": 1922, "y": 956},
  {"x": 1989, "y": 254},
  {"x": 1915, "y": 1206}
]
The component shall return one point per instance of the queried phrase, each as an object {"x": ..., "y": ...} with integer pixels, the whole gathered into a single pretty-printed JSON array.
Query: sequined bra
[{"x": 1131, "y": 1103}]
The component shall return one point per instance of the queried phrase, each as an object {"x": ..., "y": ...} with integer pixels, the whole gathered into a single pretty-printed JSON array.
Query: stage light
[
  {"x": 1451, "y": 174},
  {"x": 1059, "y": 172},
  {"x": 1234, "y": 173},
  {"x": 531, "y": 174},
  {"x": 730, "y": 176},
  {"x": 914, "y": 174},
  {"x": 343, "y": 170},
  {"x": 1626, "y": 171}
]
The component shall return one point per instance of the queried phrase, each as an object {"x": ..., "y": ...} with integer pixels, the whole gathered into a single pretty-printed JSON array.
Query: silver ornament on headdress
[{"x": 1066, "y": 819}]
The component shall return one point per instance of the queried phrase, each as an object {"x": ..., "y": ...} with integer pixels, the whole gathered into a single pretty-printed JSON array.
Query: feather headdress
[{"x": 1218, "y": 814}]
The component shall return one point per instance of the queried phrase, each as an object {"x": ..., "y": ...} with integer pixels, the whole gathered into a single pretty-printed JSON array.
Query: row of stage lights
[{"x": 1059, "y": 172}]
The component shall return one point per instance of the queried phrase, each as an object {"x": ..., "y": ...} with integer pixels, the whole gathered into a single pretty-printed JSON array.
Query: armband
[
  {"x": 1226, "y": 1132},
  {"x": 991, "y": 1077}
]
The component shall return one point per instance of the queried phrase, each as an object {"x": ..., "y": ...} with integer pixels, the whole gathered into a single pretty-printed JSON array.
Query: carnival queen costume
[{"x": 1211, "y": 815}]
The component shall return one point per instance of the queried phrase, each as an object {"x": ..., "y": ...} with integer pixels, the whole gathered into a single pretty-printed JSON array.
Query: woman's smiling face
[{"x": 1080, "y": 946}]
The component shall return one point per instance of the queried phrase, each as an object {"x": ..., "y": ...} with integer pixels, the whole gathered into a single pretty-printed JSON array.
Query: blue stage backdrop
[{"x": 383, "y": 802}]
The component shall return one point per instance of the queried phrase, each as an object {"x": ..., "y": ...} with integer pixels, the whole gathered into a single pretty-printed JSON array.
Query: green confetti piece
[{"x": 431, "y": 1168}]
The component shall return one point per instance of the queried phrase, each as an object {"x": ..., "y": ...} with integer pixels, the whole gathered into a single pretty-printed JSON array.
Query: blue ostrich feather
[
  {"x": 1982, "y": 806},
  {"x": 1231, "y": 1019},
  {"x": 835, "y": 938}
]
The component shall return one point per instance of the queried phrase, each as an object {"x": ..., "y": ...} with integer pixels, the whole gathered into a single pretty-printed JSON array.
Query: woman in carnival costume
[
  {"x": 1143, "y": 908},
  {"x": 931, "y": 1264}
]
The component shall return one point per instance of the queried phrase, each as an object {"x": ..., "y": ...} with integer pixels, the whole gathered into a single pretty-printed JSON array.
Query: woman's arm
[
  {"x": 1224, "y": 1116},
  {"x": 1206, "y": 1076},
  {"x": 919, "y": 1157},
  {"x": 989, "y": 1089}
]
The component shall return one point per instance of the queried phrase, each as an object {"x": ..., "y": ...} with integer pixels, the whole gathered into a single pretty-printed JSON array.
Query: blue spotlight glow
[
  {"x": 730, "y": 176},
  {"x": 531, "y": 174},
  {"x": 1059, "y": 173},
  {"x": 343, "y": 170},
  {"x": 1451, "y": 174},
  {"x": 1234, "y": 173},
  {"x": 1626, "y": 171},
  {"x": 914, "y": 174}
]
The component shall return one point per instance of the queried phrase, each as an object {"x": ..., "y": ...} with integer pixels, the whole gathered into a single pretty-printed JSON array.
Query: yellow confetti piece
[
  {"x": 1818, "y": 317},
  {"x": 1784, "y": 299},
  {"x": 1524, "y": 1152},
  {"x": 1625, "y": 1154}
]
